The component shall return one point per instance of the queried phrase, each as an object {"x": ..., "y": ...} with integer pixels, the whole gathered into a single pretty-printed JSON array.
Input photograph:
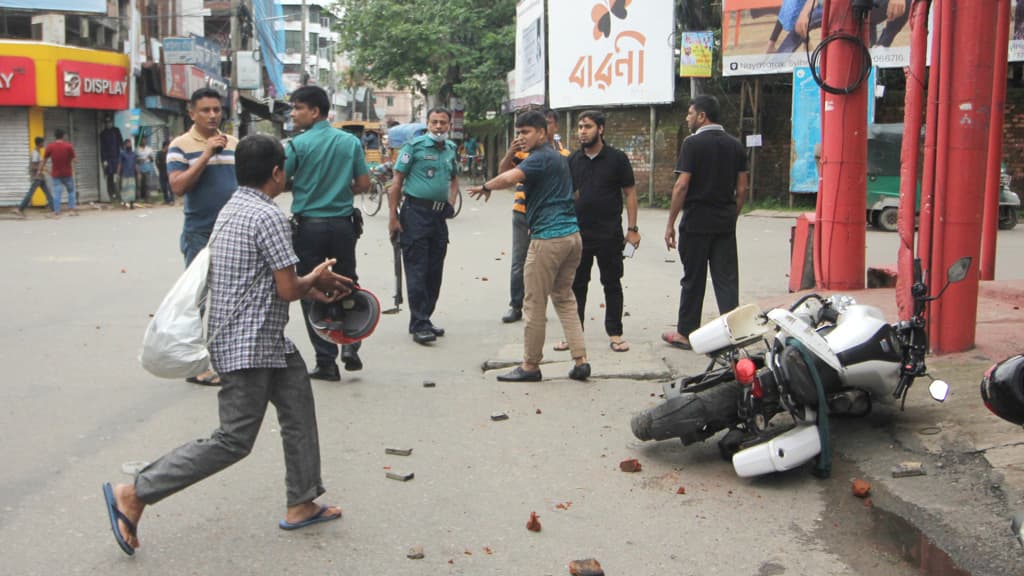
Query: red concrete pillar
[
  {"x": 990, "y": 215},
  {"x": 964, "y": 99},
  {"x": 910, "y": 157},
  {"x": 842, "y": 202}
]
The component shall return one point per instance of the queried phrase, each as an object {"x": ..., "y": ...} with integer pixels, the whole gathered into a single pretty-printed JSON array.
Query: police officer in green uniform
[
  {"x": 427, "y": 177},
  {"x": 327, "y": 167}
]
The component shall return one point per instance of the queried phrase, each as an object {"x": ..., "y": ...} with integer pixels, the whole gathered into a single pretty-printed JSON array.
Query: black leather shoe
[
  {"x": 329, "y": 373},
  {"x": 580, "y": 371},
  {"x": 520, "y": 375},
  {"x": 350, "y": 358},
  {"x": 513, "y": 315},
  {"x": 437, "y": 330},
  {"x": 423, "y": 336}
]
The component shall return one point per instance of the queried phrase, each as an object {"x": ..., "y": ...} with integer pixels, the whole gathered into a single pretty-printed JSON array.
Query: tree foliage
[{"x": 440, "y": 48}]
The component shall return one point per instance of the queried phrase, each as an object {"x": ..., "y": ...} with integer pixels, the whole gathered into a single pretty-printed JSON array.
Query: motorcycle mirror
[
  {"x": 958, "y": 270},
  {"x": 939, "y": 390}
]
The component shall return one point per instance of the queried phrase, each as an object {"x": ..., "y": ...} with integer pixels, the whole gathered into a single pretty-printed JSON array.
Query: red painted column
[
  {"x": 990, "y": 215},
  {"x": 842, "y": 202},
  {"x": 913, "y": 112},
  {"x": 965, "y": 99}
]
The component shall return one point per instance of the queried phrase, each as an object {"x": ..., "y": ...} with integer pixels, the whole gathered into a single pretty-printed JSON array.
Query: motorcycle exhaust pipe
[{"x": 784, "y": 452}]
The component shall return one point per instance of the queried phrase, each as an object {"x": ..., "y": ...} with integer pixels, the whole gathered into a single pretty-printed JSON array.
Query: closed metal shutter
[
  {"x": 14, "y": 155},
  {"x": 86, "y": 140}
]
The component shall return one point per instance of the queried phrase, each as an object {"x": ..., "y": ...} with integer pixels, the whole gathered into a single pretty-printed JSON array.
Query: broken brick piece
[
  {"x": 681, "y": 490},
  {"x": 415, "y": 553},
  {"x": 563, "y": 505},
  {"x": 533, "y": 524},
  {"x": 631, "y": 465},
  {"x": 588, "y": 567},
  {"x": 861, "y": 489}
]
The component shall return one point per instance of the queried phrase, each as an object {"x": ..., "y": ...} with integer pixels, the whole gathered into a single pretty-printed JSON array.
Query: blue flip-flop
[
  {"x": 320, "y": 516},
  {"x": 115, "y": 515}
]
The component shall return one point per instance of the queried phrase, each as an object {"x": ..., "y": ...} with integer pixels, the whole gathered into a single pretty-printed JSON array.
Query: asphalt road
[{"x": 76, "y": 406}]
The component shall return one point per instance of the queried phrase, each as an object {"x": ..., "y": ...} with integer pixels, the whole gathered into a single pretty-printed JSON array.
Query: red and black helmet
[
  {"x": 1002, "y": 389},
  {"x": 348, "y": 320}
]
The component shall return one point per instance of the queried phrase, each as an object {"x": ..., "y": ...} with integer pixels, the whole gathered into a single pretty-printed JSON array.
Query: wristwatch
[{"x": 634, "y": 229}]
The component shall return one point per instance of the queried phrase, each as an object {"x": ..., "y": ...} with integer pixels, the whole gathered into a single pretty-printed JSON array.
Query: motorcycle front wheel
[{"x": 691, "y": 416}]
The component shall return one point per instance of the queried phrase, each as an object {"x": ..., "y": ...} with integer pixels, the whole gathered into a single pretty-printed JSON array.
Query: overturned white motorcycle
[{"x": 821, "y": 356}]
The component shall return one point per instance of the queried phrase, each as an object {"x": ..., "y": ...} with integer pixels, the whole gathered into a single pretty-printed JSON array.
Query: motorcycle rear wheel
[{"x": 691, "y": 417}]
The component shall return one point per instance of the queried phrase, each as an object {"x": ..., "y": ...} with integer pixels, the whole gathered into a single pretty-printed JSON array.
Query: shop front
[{"x": 44, "y": 87}]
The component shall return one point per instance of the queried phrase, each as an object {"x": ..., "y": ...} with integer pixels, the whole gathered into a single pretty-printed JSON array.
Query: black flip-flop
[
  {"x": 115, "y": 515},
  {"x": 675, "y": 343}
]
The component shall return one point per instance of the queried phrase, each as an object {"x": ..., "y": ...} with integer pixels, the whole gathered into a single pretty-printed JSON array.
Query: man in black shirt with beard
[
  {"x": 602, "y": 176},
  {"x": 710, "y": 190}
]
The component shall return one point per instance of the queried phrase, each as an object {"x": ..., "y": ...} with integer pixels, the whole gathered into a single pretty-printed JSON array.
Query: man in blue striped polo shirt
[{"x": 201, "y": 167}]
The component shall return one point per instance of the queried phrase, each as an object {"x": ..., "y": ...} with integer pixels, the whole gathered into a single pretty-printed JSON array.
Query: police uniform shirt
[
  {"x": 324, "y": 160},
  {"x": 428, "y": 170}
]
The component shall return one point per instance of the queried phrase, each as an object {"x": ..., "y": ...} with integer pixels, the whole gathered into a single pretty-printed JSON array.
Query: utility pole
[{"x": 304, "y": 77}]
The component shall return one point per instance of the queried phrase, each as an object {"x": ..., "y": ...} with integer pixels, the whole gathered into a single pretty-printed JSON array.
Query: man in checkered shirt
[{"x": 252, "y": 281}]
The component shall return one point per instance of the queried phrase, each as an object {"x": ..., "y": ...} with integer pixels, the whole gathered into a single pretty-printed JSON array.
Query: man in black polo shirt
[
  {"x": 601, "y": 177},
  {"x": 710, "y": 190}
]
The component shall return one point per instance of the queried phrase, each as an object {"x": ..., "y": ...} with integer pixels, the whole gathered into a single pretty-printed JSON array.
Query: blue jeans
[
  {"x": 191, "y": 243},
  {"x": 58, "y": 186},
  {"x": 37, "y": 183}
]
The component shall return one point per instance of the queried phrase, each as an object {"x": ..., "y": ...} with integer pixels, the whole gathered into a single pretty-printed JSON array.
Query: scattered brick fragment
[
  {"x": 631, "y": 465},
  {"x": 538, "y": 411},
  {"x": 415, "y": 553},
  {"x": 588, "y": 567},
  {"x": 498, "y": 416},
  {"x": 488, "y": 550},
  {"x": 533, "y": 524},
  {"x": 861, "y": 489},
  {"x": 563, "y": 505},
  {"x": 681, "y": 490}
]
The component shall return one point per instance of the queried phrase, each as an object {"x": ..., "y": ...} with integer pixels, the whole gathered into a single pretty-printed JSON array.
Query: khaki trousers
[{"x": 549, "y": 271}]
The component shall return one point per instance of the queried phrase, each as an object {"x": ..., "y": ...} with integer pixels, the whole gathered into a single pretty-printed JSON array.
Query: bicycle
[{"x": 372, "y": 199}]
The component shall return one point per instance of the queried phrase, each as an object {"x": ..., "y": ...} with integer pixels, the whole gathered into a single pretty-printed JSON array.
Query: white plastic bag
[{"x": 174, "y": 345}]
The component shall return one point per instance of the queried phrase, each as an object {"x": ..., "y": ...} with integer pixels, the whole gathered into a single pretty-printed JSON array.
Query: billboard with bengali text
[{"x": 617, "y": 53}]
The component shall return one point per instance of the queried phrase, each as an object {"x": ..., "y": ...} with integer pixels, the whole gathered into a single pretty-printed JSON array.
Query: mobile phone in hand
[{"x": 628, "y": 250}]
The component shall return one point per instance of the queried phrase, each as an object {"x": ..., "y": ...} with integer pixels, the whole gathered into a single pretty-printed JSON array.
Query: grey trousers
[
  {"x": 520, "y": 245},
  {"x": 243, "y": 399}
]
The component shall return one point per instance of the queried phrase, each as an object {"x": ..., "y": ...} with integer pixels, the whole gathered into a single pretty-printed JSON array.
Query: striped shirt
[
  {"x": 252, "y": 239},
  {"x": 215, "y": 185}
]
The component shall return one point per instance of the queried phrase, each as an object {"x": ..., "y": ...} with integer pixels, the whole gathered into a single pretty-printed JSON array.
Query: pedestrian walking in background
[
  {"x": 426, "y": 176},
  {"x": 520, "y": 229},
  {"x": 161, "y": 168},
  {"x": 327, "y": 168},
  {"x": 146, "y": 169},
  {"x": 110, "y": 154},
  {"x": 251, "y": 252},
  {"x": 38, "y": 180},
  {"x": 201, "y": 167},
  {"x": 128, "y": 174},
  {"x": 61, "y": 156},
  {"x": 603, "y": 181},
  {"x": 710, "y": 190},
  {"x": 555, "y": 247}
]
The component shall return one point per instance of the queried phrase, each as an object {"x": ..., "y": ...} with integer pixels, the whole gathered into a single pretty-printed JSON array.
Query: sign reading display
[
  {"x": 92, "y": 86},
  {"x": 17, "y": 81}
]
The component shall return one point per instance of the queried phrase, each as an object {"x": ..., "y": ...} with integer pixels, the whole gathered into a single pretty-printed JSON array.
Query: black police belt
[
  {"x": 428, "y": 204},
  {"x": 300, "y": 219}
]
